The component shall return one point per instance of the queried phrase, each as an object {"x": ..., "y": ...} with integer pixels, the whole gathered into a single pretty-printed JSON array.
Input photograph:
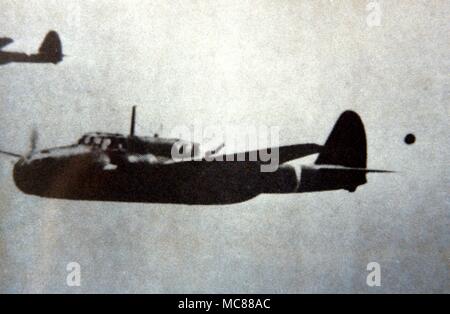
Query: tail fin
[
  {"x": 342, "y": 162},
  {"x": 5, "y": 42},
  {"x": 51, "y": 48},
  {"x": 347, "y": 145}
]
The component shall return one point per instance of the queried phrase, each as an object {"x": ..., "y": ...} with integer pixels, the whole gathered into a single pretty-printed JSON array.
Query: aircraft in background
[
  {"x": 50, "y": 51},
  {"x": 130, "y": 168}
]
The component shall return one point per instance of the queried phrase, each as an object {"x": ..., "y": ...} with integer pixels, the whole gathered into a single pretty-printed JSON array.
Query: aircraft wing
[
  {"x": 5, "y": 41},
  {"x": 285, "y": 153}
]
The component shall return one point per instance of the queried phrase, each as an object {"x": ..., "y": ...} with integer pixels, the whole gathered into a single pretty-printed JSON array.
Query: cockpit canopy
[
  {"x": 140, "y": 145},
  {"x": 104, "y": 141}
]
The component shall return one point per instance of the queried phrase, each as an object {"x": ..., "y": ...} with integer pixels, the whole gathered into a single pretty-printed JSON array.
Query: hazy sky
[{"x": 292, "y": 64}]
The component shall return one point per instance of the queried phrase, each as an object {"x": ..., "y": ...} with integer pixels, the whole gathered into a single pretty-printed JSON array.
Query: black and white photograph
[{"x": 224, "y": 147}]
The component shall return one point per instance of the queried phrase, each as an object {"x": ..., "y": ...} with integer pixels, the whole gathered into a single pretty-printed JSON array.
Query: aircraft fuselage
[
  {"x": 83, "y": 173},
  {"x": 114, "y": 167},
  {"x": 8, "y": 57}
]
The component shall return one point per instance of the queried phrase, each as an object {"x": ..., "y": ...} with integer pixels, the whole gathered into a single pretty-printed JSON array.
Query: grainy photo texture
[{"x": 224, "y": 146}]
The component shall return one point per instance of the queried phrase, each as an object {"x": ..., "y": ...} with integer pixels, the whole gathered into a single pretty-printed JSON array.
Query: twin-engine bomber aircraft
[
  {"x": 49, "y": 52},
  {"x": 114, "y": 167}
]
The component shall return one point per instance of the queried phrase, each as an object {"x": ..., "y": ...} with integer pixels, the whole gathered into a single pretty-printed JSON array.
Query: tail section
[
  {"x": 51, "y": 48},
  {"x": 342, "y": 163}
]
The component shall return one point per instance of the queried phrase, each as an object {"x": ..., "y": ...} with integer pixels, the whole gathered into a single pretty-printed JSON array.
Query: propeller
[
  {"x": 34, "y": 137},
  {"x": 10, "y": 154},
  {"x": 33, "y": 143}
]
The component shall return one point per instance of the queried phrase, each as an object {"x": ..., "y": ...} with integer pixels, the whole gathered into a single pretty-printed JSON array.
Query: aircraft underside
[{"x": 194, "y": 182}]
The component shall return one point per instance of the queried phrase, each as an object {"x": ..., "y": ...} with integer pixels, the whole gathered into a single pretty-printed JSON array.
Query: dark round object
[{"x": 410, "y": 139}]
